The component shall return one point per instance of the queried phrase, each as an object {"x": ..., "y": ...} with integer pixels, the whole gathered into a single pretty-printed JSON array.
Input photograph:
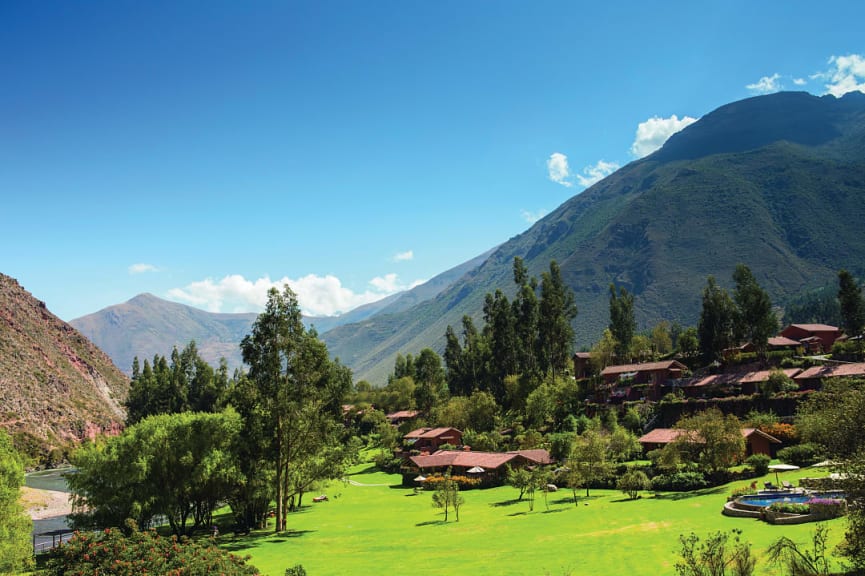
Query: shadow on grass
[
  {"x": 554, "y": 510},
  {"x": 254, "y": 539},
  {"x": 570, "y": 500},
  {"x": 366, "y": 469},
  {"x": 505, "y": 503},
  {"x": 694, "y": 493},
  {"x": 431, "y": 523},
  {"x": 518, "y": 514}
]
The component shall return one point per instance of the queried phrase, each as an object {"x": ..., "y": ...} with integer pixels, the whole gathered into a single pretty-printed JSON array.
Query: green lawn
[{"x": 381, "y": 528}]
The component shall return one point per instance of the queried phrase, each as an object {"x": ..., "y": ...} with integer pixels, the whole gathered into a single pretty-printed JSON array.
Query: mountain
[
  {"x": 776, "y": 182},
  {"x": 146, "y": 325},
  {"x": 55, "y": 385}
]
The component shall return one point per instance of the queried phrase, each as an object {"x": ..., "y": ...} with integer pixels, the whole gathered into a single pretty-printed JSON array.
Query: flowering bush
[
  {"x": 112, "y": 552},
  {"x": 786, "y": 433},
  {"x": 826, "y": 508},
  {"x": 464, "y": 482}
]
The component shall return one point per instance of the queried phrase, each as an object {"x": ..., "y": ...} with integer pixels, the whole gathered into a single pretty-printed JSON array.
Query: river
[{"x": 48, "y": 480}]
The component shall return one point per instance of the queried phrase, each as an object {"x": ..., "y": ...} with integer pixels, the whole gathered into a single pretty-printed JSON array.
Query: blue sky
[{"x": 204, "y": 151}]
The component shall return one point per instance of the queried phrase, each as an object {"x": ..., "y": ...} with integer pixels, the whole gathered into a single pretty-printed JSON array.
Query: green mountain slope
[{"x": 776, "y": 182}]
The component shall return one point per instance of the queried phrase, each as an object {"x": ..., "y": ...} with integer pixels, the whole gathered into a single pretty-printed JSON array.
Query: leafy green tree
[
  {"x": 852, "y": 304},
  {"x": 714, "y": 438},
  {"x": 447, "y": 495},
  {"x": 632, "y": 482},
  {"x": 500, "y": 332},
  {"x": 141, "y": 552},
  {"x": 604, "y": 351},
  {"x": 717, "y": 321},
  {"x": 589, "y": 458},
  {"x": 300, "y": 396},
  {"x": 688, "y": 343},
  {"x": 662, "y": 342},
  {"x": 526, "y": 315},
  {"x": 755, "y": 322},
  {"x": 716, "y": 556},
  {"x": 15, "y": 525},
  {"x": 519, "y": 478},
  {"x": 430, "y": 385},
  {"x": 778, "y": 381},
  {"x": 180, "y": 466},
  {"x": 557, "y": 310},
  {"x": 641, "y": 348},
  {"x": 622, "y": 322}
]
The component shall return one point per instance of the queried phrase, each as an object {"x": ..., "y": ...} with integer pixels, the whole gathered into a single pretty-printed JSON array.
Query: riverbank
[{"x": 41, "y": 504}]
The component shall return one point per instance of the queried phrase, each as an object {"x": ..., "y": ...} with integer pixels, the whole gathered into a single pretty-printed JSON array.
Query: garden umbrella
[
  {"x": 420, "y": 478},
  {"x": 476, "y": 470},
  {"x": 780, "y": 468}
]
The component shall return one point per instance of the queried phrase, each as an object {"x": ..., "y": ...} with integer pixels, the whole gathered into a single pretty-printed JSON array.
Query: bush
[
  {"x": 632, "y": 482},
  {"x": 790, "y": 508},
  {"x": 759, "y": 463},
  {"x": 110, "y": 552},
  {"x": 801, "y": 455},
  {"x": 679, "y": 482},
  {"x": 464, "y": 482},
  {"x": 387, "y": 462},
  {"x": 786, "y": 433}
]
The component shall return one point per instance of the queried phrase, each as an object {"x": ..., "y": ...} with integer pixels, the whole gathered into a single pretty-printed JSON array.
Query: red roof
[
  {"x": 432, "y": 433},
  {"x": 815, "y": 327},
  {"x": 667, "y": 435},
  {"x": 486, "y": 460},
  {"x": 855, "y": 369},
  {"x": 645, "y": 367},
  {"x": 782, "y": 341},
  {"x": 408, "y": 414},
  {"x": 763, "y": 375}
]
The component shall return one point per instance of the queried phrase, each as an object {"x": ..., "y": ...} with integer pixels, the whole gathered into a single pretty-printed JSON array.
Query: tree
[
  {"x": 180, "y": 466},
  {"x": 526, "y": 314},
  {"x": 519, "y": 478},
  {"x": 15, "y": 525},
  {"x": 300, "y": 393},
  {"x": 662, "y": 342},
  {"x": 447, "y": 495},
  {"x": 622, "y": 323},
  {"x": 716, "y": 556},
  {"x": 632, "y": 482},
  {"x": 755, "y": 320},
  {"x": 717, "y": 320},
  {"x": 557, "y": 309},
  {"x": 688, "y": 343},
  {"x": 714, "y": 438},
  {"x": 588, "y": 458},
  {"x": 430, "y": 385},
  {"x": 852, "y": 304}
]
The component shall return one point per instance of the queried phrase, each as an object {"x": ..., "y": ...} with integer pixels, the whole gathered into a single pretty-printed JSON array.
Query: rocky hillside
[{"x": 55, "y": 385}]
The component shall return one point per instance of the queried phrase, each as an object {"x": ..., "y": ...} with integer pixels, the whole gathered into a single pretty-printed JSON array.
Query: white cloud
[
  {"x": 652, "y": 133},
  {"x": 403, "y": 256},
  {"x": 557, "y": 167},
  {"x": 141, "y": 268},
  {"x": 596, "y": 173},
  {"x": 799, "y": 81},
  {"x": 317, "y": 295},
  {"x": 847, "y": 74},
  {"x": 532, "y": 217},
  {"x": 766, "y": 85}
]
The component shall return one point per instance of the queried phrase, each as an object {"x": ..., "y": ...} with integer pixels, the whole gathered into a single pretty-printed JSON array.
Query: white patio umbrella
[
  {"x": 476, "y": 470},
  {"x": 781, "y": 468},
  {"x": 420, "y": 478}
]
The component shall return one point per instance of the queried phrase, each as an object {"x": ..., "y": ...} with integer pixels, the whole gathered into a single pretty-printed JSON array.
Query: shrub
[
  {"x": 679, "y": 482},
  {"x": 801, "y": 455},
  {"x": 786, "y": 433},
  {"x": 827, "y": 508},
  {"x": 464, "y": 482},
  {"x": 790, "y": 508},
  {"x": 386, "y": 461},
  {"x": 632, "y": 482},
  {"x": 111, "y": 552},
  {"x": 759, "y": 463}
]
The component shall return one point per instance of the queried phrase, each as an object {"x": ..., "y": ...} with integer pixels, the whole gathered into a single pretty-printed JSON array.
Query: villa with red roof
[
  {"x": 429, "y": 439},
  {"x": 812, "y": 377},
  {"x": 628, "y": 381},
  {"x": 756, "y": 441},
  {"x": 487, "y": 466},
  {"x": 816, "y": 338}
]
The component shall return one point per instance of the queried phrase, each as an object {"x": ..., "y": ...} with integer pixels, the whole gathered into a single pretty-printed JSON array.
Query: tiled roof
[
  {"x": 667, "y": 435},
  {"x": 763, "y": 375},
  {"x": 645, "y": 367},
  {"x": 782, "y": 341},
  {"x": 486, "y": 460},
  {"x": 816, "y": 327},
  {"x": 403, "y": 414},
  {"x": 431, "y": 432},
  {"x": 856, "y": 369}
]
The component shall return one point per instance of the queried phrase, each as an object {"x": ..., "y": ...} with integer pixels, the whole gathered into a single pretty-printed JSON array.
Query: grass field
[{"x": 380, "y": 528}]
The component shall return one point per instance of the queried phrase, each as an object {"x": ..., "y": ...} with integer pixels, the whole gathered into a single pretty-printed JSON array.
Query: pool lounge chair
[
  {"x": 769, "y": 486},
  {"x": 787, "y": 485}
]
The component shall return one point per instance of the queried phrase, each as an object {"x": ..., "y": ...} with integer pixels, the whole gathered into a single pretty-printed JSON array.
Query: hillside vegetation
[{"x": 775, "y": 182}]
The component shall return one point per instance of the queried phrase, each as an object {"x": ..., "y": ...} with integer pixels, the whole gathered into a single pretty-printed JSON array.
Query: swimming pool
[{"x": 766, "y": 500}]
